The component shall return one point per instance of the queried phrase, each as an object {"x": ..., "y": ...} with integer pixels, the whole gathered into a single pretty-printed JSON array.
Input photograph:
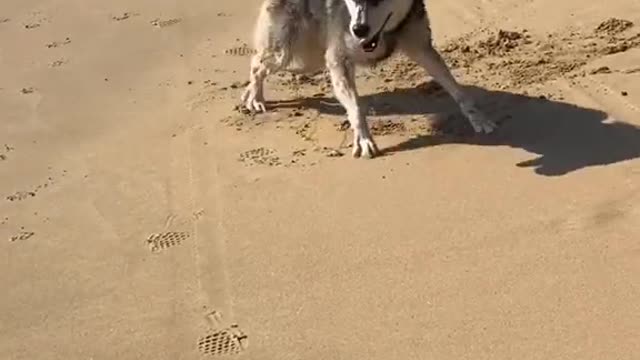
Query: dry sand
[{"x": 142, "y": 217}]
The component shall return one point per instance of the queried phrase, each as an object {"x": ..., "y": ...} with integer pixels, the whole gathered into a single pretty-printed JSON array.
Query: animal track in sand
[
  {"x": 35, "y": 20},
  {"x": 22, "y": 236},
  {"x": 21, "y": 195},
  {"x": 124, "y": 16},
  {"x": 56, "y": 44},
  {"x": 57, "y": 63},
  {"x": 4, "y": 154},
  {"x": 24, "y": 195}
]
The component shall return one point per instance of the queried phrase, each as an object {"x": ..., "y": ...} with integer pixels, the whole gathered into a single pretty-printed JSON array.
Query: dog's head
[{"x": 370, "y": 18}]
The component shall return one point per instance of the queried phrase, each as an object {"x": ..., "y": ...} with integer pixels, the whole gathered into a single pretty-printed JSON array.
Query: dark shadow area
[{"x": 565, "y": 137}]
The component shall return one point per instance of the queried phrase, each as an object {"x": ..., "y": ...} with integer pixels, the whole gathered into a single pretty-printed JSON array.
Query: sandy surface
[{"x": 143, "y": 217}]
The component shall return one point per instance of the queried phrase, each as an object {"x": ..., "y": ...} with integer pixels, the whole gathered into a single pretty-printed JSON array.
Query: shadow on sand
[{"x": 565, "y": 137}]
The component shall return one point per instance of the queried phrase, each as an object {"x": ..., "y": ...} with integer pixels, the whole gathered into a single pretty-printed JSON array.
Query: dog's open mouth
[{"x": 371, "y": 44}]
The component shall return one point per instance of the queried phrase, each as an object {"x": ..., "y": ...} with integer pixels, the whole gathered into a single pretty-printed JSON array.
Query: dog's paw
[
  {"x": 478, "y": 120},
  {"x": 363, "y": 145},
  {"x": 253, "y": 100}
]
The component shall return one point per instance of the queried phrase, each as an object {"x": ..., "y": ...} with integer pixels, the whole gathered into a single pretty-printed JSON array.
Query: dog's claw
[
  {"x": 364, "y": 146},
  {"x": 480, "y": 123},
  {"x": 253, "y": 101},
  {"x": 256, "y": 106}
]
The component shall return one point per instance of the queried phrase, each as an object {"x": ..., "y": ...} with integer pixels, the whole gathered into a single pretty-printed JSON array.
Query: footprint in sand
[
  {"x": 613, "y": 26},
  {"x": 56, "y": 44},
  {"x": 159, "y": 23},
  {"x": 24, "y": 195},
  {"x": 224, "y": 342},
  {"x": 21, "y": 195},
  {"x": 329, "y": 152},
  {"x": 4, "y": 154},
  {"x": 242, "y": 50},
  {"x": 260, "y": 156},
  {"x": 57, "y": 63},
  {"x": 35, "y": 20},
  {"x": 124, "y": 16},
  {"x": 8, "y": 148},
  {"x": 162, "y": 241},
  {"x": 22, "y": 236},
  {"x": 214, "y": 319}
]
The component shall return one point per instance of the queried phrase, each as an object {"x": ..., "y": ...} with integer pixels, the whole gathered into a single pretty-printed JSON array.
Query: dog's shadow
[{"x": 565, "y": 137}]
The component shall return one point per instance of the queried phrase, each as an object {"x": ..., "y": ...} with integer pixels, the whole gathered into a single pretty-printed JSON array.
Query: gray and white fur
[{"x": 309, "y": 35}]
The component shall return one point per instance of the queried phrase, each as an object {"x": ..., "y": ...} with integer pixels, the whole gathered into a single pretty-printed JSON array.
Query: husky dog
[{"x": 309, "y": 35}]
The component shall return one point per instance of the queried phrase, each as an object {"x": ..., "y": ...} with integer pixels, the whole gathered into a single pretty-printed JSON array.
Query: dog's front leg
[
  {"x": 342, "y": 72},
  {"x": 253, "y": 95},
  {"x": 418, "y": 46}
]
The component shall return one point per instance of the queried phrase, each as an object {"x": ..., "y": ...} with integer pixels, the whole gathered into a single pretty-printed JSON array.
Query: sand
[{"x": 144, "y": 216}]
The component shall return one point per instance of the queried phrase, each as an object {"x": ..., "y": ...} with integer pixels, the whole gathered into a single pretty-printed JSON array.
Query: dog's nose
[{"x": 360, "y": 30}]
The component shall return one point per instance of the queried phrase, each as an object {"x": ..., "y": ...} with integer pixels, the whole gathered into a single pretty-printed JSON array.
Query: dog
[{"x": 337, "y": 35}]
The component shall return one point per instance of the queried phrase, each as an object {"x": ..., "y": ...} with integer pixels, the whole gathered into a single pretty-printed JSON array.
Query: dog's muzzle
[{"x": 372, "y": 43}]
